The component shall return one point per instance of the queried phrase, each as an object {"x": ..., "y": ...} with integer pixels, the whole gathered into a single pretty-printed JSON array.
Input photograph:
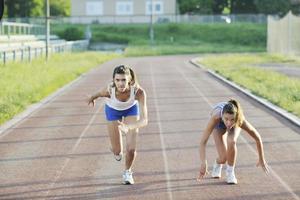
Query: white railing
[
  {"x": 24, "y": 53},
  {"x": 14, "y": 28}
]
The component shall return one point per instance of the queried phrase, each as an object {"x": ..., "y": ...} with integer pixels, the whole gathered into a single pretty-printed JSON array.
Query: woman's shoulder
[
  {"x": 217, "y": 110},
  {"x": 216, "y": 113}
]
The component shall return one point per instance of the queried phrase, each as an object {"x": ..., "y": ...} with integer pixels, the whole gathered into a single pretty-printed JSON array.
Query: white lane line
[
  {"x": 275, "y": 175},
  {"x": 162, "y": 141},
  {"x": 60, "y": 171}
]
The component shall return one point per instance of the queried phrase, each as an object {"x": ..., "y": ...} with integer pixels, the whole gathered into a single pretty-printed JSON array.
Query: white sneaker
[
  {"x": 231, "y": 179},
  {"x": 118, "y": 157},
  {"x": 217, "y": 170},
  {"x": 127, "y": 178}
]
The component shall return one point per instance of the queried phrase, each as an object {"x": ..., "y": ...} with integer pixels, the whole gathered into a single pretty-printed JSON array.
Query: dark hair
[
  {"x": 233, "y": 107},
  {"x": 123, "y": 69}
]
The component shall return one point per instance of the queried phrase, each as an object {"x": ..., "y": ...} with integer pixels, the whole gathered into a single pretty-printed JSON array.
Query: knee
[
  {"x": 231, "y": 143},
  {"x": 131, "y": 151}
]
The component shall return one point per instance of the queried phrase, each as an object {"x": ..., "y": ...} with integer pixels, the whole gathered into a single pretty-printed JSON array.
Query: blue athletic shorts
[
  {"x": 220, "y": 125},
  {"x": 113, "y": 114}
]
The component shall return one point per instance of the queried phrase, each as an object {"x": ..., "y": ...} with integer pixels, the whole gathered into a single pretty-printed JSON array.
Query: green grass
[
  {"x": 180, "y": 38},
  {"x": 22, "y": 84},
  {"x": 279, "y": 89},
  {"x": 148, "y": 50}
]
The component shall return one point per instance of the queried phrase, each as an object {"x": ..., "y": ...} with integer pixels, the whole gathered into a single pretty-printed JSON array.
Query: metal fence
[
  {"x": 114, "y": 19},
  {"x": 24, "y": 41},
  {"x": 24, "y": 53},
  {"x": 14, "y": 28}
]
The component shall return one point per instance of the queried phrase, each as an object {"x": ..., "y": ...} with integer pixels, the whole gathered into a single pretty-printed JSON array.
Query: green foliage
[
  {"x": 280, "y": 7},
  {"x": 180, "y": 38},
  {"x": 184, "y": 34},
  {"x": 20, "y": 8},
  {"x": 36, "y": 8},
  {"x": 60, "y": 8},
  {"x": 113, "y": 38},
  {"x": 243, "y": 7},
  {"x": 196, "y": 6},
  {"x": 218, "y": 6},
  {"x": 71, "y": 33},
  {"x": 122, "y": 34}
]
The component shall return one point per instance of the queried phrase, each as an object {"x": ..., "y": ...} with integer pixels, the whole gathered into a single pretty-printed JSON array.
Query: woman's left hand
[
  {"x": 263, "y": 165},
  {"x": 123, "y": 127}
]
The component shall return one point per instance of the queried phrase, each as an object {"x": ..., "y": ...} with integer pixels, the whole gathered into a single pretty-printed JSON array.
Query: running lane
[{"x": 61, "y": 151}]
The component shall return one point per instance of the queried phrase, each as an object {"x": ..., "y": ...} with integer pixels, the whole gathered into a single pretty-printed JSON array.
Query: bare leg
[
  {"x": 231, "y": 144},
  {"x": 219, "y": 137},
  {"x": 131, "y": 138},
  {"x": 115, "y": 137}
]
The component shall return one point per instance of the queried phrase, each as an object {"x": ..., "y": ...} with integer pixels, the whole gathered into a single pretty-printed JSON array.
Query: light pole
[
  {"x": 47, "y": 28},
  {"x": 151, "y": 24}
]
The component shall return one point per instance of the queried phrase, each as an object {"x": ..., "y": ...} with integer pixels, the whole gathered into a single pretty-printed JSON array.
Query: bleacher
[{"x": 17, "y": 42}]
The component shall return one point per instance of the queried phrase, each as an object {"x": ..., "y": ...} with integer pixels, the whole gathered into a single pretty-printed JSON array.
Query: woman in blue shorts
[
  {"x": 126, "y": 111},
  {"x": 226, "y": 121}
]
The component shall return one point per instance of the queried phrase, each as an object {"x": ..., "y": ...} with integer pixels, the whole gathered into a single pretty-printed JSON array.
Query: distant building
[{"x": 121, "y": 11}]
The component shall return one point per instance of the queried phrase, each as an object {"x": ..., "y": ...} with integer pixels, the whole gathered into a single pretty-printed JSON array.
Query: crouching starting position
[{"x": 226, "y": 121}]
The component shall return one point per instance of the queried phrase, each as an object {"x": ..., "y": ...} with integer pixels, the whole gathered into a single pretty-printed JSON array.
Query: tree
[
  {"x": 20, "y": 8},
  {"x": 219, "y": 5},
  {"x": 278, "y": 7},
  {"x": 36, "y": 8},
  {"x": 295, "y": 7},
  {"x": 242, "y": 7},
  {"x": 60, "y": 8},
  {"x": 195, "y": 6}
]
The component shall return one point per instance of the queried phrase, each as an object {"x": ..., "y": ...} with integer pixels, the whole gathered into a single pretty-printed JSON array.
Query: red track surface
[{"x": 61, "y": 151}]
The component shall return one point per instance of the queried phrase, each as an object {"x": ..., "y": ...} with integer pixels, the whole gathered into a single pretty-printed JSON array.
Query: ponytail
[
  {"x": 234, "y": 107},
  {"x": 133, "y": 81}
]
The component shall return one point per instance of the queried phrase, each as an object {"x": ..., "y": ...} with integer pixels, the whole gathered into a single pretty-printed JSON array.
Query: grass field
[
  {"x": 22, "y": 84},
  {"x": 279, "y": 89},
  {"x": 180, "y": 38}
]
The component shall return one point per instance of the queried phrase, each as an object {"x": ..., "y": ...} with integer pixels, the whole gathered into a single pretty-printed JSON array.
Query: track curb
[{"x": 290, "y": 117}]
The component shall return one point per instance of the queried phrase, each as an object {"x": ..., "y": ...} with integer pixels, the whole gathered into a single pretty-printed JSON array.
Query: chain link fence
[{"x": 115, "y": 19}]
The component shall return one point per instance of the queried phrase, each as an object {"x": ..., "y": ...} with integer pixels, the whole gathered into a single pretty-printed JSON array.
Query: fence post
[
  {"x": 4, "y": 57},
  {"x": 35, "y": 52},
  {"x": 22, "y": 54},
  {"x": 14, "y": 55},
  {"x": 29, "y": 54}
]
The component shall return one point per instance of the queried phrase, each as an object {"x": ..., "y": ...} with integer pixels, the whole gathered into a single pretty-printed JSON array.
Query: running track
[{"x": 61, "y": 151}]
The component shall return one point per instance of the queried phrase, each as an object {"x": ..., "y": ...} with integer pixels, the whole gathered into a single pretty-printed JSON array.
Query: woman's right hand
[
  {"x": 203, "y": 171},
  {"x": 91, "y": 100}
]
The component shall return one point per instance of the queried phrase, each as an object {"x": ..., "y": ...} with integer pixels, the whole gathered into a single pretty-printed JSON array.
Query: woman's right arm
[
  {"x": 102, "y": 93},
  {"x": 214, "y": 119}
]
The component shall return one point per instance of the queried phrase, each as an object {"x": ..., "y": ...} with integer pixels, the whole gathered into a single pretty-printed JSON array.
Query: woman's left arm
[
  {"x": 142, "y": 99},
  {"x": 256, "y": 136},
  {"x": 143, "y": 118}
]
